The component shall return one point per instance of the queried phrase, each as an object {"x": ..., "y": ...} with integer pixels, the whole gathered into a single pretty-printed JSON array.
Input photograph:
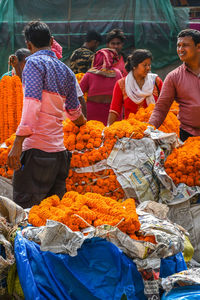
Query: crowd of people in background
[{"x": 116, "y": 85}]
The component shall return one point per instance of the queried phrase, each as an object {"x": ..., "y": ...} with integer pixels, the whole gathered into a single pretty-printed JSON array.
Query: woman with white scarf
[{"x": 138, "y": 89}]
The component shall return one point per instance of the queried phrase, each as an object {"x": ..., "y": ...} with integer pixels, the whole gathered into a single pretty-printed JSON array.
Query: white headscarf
[{"x": 136, "y": 94}]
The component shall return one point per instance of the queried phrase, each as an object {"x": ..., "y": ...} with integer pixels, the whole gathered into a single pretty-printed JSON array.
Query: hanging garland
[{"x": 11, "y": 101}]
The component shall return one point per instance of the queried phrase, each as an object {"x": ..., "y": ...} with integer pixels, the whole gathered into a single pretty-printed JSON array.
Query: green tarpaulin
[{"x": 151, "y": 24}]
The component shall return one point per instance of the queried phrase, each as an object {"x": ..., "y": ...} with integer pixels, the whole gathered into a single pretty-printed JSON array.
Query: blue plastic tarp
[
  {"x": 183, "y": 293},
  {"x": 172, "y": 264},
  {"x": 99, "y": 271}
]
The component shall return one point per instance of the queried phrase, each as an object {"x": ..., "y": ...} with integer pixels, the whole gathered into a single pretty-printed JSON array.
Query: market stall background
[{"x": 151, "y": 24}]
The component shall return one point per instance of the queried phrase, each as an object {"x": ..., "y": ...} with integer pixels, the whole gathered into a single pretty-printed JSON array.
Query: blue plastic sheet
[
  {"x": 99, "y": 271},
  {"x": 172, "y": 264},
  {"x": 183, "y": 293}
]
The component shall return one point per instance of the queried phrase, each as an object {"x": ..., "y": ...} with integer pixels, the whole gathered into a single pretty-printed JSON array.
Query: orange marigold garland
[
  {"x": 11, "y": 99},
  {"x": 171, "y": 123},
  {"x": 79, "y": 76},
  {"x": 183, "y": 164},
  {"x": 93, "y": 143},
  {"x": 103, "y": 182},
  {"x": 4, "y": 171},
  {"x": 19, "y": 98},
  {"x": 80, "y": 211}
]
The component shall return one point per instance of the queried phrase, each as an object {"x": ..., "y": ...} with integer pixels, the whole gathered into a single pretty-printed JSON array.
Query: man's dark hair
[
  {"x": 22, "y": 53},
  {"x": 38, "y": 33},
  {"x": 92, "y": 35},
  {"x": 195, "y": 35},
  {"x": 115, "y": 33},
  {"x": 136, "y": 58}
]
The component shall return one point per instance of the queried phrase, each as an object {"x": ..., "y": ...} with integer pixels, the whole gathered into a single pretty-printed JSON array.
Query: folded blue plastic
[
  {"x": 99, "y": 271},
  {"x": 183, "y": 293},
  {"x": 172, "y": 264}
]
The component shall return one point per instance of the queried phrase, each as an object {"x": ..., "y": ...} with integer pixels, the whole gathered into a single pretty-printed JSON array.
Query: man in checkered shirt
[{"x": 38, "y": 156}]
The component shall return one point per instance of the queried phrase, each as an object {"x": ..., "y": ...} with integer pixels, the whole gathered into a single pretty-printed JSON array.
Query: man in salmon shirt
[
  {"x": 115, "y": 40},
  {"x": 38, "y": 156},
  {"x": 183, "y": 85}
]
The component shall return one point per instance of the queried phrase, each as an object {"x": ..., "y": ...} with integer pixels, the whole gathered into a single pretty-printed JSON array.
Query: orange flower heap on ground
[
  {"x": 11, "y": 99},
  {"x": 93, "y": 142},
  {"x": 86, "y": 137},
  {"x": 130, "y": 128},
  {"x": 171, "y": 123},
  {"x": 183, "y": 164},
  {"x": 84, "y": 142},
  {"x": 80, "y": 211},
  {"x": 103, "y": 182}
]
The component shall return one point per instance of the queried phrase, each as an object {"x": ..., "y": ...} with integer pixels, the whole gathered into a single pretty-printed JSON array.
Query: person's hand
[
  {"x": 13, "y": 160},
  {"x": 80, "y": 121},
  {"x": 14, "y": 157},
  {"x": 13, "y": 60}
]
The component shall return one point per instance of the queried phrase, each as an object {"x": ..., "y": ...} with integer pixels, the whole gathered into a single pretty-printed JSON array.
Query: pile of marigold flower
[
  {"x": 6, "y": 171},
  {"x": 183, "y": 164},
  {"x": 93, "y": 141},
  {"x": 171, "y": 123},
  {"x": 81, "y": 211},
  {"x": 79, "y": 76},
  {"x": 102, "y": 182},
  {"x": 11, "y": 100},
  {"x": 90, "y": 144}
]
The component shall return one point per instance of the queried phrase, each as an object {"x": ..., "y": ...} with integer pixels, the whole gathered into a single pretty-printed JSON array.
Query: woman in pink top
[{"x": 99, "y": 82}]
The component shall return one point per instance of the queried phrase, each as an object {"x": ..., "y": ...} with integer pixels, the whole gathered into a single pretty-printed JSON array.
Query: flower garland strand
[
  {"x": 11, "y": 99},
  {"x": 80, "y": 211},
  {"x": 79, "y": 76},
  {"x": 183, "y": 164}
]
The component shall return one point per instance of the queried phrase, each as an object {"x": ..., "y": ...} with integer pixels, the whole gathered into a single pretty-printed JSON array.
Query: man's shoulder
[
  {"x": 174, "y": 74},
  {"x": 81, "y": 53}
]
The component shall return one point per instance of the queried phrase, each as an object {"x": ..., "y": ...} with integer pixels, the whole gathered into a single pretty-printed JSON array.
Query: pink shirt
[
  {"x": 183, "y": 86},
  {"x": 49, "y": 89},
  {"x": 99, "y": 85}
]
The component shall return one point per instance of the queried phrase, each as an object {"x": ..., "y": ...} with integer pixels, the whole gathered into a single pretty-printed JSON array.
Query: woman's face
[{"x": 143, "y": 68}]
